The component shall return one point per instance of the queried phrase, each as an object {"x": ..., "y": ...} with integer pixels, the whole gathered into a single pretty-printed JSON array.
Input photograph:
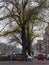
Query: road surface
[{"x": 38, "y": 62}]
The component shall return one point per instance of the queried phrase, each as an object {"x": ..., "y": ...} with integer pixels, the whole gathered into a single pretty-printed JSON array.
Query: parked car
[
  {"x": 47, "y": 57},
  {"x": 29, "y": 58},
  {"x": 40, "y": 56},
  {"x": 35, "y": 55},
  {"x": 4, "y": 57},
  {"x": 18, "y": 57}
]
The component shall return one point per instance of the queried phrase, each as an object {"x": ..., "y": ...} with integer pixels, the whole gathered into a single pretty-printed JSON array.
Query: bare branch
[
  {"x": 16, "y": 39},
  {"x": 25, "y": 3},
  {"x": 19, "y": 18},
  {"x": 12, "y": 15},
  {"x": 42, "y": 20},
  {"x": 18, "y": 22},
  {"x": 9, "y": 32},
  {"x": 4, "y": 27},
  {"x": 8, "y": 16},
  {"x": 34, "y": 37},
  {"x": 16, "y": 5}
]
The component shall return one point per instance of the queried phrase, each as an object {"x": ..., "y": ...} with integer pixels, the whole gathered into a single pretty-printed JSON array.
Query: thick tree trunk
[
  {"x": 29, "y": 45},
  {"x": 23, "y": 37},
  {"x": 29, "y": 51},
  {"x": 28, "y": 40}
]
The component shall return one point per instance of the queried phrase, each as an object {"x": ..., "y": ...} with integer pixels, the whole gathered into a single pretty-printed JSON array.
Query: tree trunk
[
  {"x": 29, "y": 45},
  {"x": 23, "y": 37},
  {"x": 28, "y": 40}
]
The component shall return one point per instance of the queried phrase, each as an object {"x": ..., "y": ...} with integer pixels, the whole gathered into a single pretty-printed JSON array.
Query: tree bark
[
  {"x": 23, "y": 37},
  {"x": 28, "y": 40}
]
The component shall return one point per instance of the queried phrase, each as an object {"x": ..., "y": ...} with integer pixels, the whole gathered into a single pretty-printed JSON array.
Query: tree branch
[
  {"x": 16, "y": 5},
  {"x": 16, "y": 39},
  {"x": 8, "y": 16},
  {"x": 25, "y": 3},
  {"x": 18, "y": 22},
  {"x": 4, "y": 27},
  {"x": 12, "y": 15},
  {"x": 9, "y": 32}
]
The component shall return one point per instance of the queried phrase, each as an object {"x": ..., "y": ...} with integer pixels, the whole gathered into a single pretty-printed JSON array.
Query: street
[{"x": 34, "y": 62}]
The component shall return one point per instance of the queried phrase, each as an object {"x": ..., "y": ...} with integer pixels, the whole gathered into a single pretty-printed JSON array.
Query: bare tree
[{"x": 23, "y": 13}]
